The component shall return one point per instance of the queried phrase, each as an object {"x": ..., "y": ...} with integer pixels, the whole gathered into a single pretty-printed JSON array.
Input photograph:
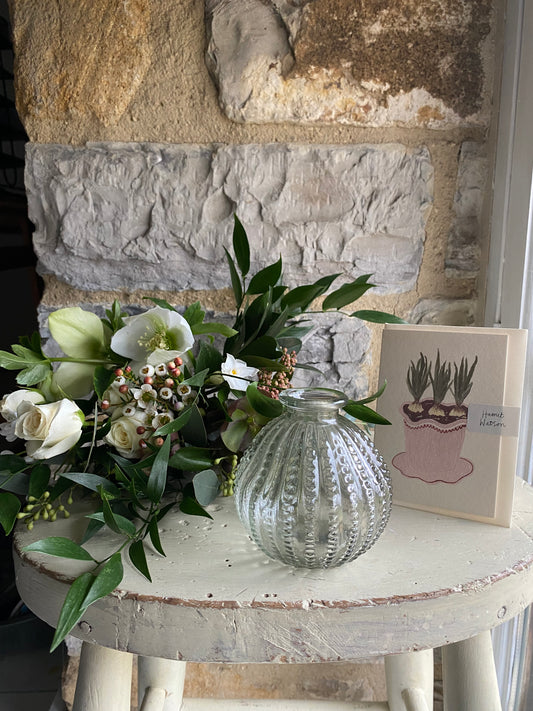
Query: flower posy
[{"x": 149, "y": 411}]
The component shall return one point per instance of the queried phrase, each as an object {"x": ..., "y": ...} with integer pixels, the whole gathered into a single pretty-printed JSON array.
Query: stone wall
[{"x": 350, "y": 136}]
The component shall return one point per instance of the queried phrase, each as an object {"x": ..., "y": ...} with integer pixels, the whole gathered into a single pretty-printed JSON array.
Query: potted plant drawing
[{"x": 434, "y": 429}]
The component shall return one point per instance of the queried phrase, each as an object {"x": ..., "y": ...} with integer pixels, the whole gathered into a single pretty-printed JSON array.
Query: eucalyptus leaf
[
  {"x": 125, "y": 525},
  {"x": 58, "y": 546},
  {"x": 206, "y": 487},
  {"x": 9, "y": 508}
]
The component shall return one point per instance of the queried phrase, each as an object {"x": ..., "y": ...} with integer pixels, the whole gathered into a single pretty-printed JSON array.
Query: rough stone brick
[{"x": 141, "y": 216}]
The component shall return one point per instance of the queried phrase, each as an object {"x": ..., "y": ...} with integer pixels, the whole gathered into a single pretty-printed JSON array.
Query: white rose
[
  {"x": 124, "y": 437},
  {"x": 49, "y": 429},
  {"x": 10, "y": 403}
]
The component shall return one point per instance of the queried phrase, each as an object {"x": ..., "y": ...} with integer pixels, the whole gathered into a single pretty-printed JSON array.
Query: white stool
[{"x": 429, "y": 581}]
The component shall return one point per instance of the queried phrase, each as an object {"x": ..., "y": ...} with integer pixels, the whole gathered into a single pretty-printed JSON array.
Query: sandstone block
[{"x": 336, "y": 61}]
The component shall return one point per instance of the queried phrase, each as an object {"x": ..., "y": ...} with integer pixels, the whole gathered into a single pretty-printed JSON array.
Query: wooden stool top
[{"x": 429, "y": 580}]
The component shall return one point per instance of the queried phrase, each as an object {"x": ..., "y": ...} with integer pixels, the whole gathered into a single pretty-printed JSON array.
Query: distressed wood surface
[{"x": 428, "y": 581}]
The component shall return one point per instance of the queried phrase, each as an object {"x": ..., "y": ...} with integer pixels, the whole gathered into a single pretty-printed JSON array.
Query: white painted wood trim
[
  {"x": 469, "y": 675},
  {"x": 104, "y": 680},
  {"x": 161, "y": 674},
  {"x": 410, "y": 681}
]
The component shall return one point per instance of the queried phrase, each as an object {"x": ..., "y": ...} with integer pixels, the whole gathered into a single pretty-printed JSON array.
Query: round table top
[{"x": 429, "y": 580}]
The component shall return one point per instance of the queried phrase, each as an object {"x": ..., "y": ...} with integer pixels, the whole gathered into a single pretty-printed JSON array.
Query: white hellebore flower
[
  {"x": 49, "y": 429},
  {"x": 236, "y": 373},
  {"x": 8, "y": 410},
  {"x": 123, "y": 436},
  {"x": 154, "y": 337}
]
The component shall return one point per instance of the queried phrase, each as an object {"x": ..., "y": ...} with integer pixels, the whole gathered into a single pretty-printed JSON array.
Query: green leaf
[
  {"x": 16, "y": 483},
  {"x": 257, "y": 313},
  {"x": 9, "y": 508},
  {"x": 153, "y": 530},
  {"x": 176, "y": 425},
  {"x": 138, "y": 558},
  {"x": 160, "y": 302},
  {"x": 91, "y": 481},
  {"x": 347, "y": 293},
  {"x": 9, "y": 361},
  {"x": 265, "y": 363},
  {"x": 209, "y": 358},
  {"x": 26, "y": 354},
  {"x": 265, "y": 278},
  {"x": 155, "y": 487},
  {"x": 194, "y": 314},
  {"x": 190, "y": 506},
  {"x": 12, "y": 464},
  {"x": 262, "y": 404},
  {"x": 213, "y": 327},
  {"x": 206, "y": 487},
  {"x": 108, "y": 578},
  {"x": 194, "y": 431},
  {"x": 264, "y": 346},
  {"x": 241, "y": 246},
  {"x": 364, "y": 413},
  {"x": 34, "y": 374},
  {"x": 92, "y": 529},
  {"x": 59, "y": 546},
  {"x": 115, "y": 314},
  {"x": 103, "y": 377},
  {"x": 73, "y": 608},
  {"x": 377, "y": 316},
  {"x": 235, "y": 280},
  {"x": 124, "y": 524},
  {"x": 39, "y": 480},
  {"x": 232, "y": 436},
  {"x": 198, "y": 379},
  {"x": 79, "y": 333},
  {"x": 109, "y": 516},
  {"x": 191, "y": 459},
  {"x": 374, "y": 396}
]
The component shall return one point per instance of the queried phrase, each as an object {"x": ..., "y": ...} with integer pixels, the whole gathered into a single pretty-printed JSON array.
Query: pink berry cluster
[{"x": 271, "y": 384}]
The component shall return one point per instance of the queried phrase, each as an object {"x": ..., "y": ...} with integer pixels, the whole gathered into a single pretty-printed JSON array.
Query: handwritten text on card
[{"x": 494, "y": 419}]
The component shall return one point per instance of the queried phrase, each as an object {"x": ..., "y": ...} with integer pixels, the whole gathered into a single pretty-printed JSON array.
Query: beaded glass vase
[{"x": 311, "y": 490}]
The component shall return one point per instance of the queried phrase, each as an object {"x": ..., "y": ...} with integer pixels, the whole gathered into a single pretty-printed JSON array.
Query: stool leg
[
  {"x": 469, "y": 675},
  {"x": 104, "y": 680},
  {"x": 157, "y": 676},
  {"x": 410, "y": 681}
]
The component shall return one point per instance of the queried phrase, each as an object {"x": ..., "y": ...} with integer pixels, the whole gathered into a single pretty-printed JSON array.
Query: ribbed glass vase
[{"x": 311, "y": 490}]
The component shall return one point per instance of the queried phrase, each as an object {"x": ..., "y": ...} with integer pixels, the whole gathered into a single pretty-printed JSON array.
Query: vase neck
[{"x": 317, "y": 403}]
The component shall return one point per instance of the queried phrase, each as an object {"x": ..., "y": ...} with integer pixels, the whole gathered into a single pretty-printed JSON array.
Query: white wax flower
[
  {"x": 236, "y": 373},
  {"x": 49, "y": 429},
  {"x": 154, "y": 337}
]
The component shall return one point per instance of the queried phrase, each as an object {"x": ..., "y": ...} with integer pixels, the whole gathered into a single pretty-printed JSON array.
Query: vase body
[{"x": 311, "y": 490}]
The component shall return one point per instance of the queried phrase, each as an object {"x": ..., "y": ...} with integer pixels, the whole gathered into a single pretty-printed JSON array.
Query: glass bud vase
[{"x": 311, "y": 490}]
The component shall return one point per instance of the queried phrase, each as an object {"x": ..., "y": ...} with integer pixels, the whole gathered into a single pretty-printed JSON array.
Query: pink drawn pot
[{"x": 433, "y": 450}]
